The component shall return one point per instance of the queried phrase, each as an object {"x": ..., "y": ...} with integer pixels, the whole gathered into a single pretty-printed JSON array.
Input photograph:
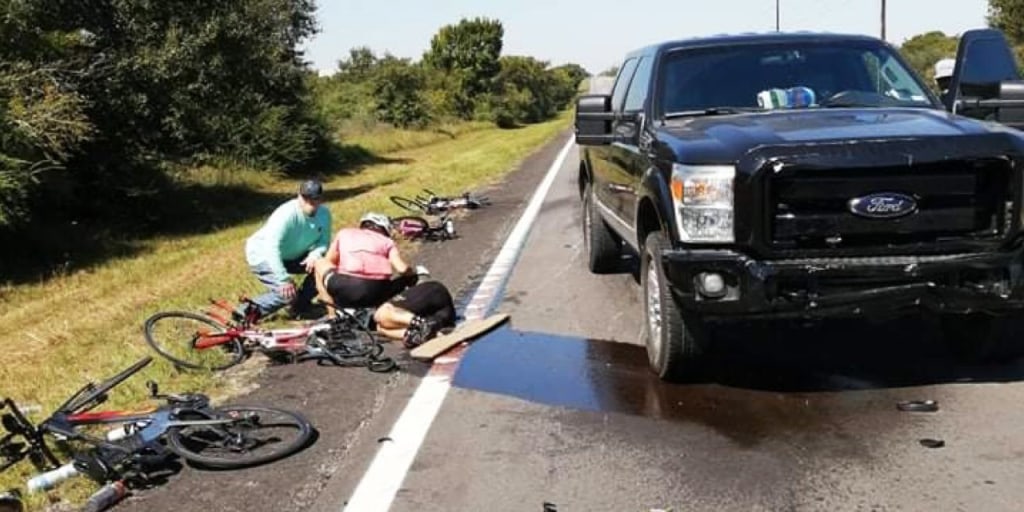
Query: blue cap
[{"x": 311, "y": 189}]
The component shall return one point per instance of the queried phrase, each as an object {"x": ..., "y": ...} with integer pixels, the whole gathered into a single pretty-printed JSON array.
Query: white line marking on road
[{"x": 377, "y": 489}]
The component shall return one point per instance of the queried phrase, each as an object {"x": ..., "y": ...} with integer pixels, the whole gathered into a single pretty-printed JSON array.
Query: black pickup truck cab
[{"x": 873, "y": 197}]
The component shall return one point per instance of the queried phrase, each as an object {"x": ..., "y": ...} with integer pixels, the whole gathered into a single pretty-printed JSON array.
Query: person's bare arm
[
  {"x": 332, "y": 252},
  {"x": 399, "y": 264}
]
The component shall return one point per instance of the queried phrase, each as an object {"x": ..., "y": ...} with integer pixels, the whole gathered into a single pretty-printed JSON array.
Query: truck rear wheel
[
  {"x": 603, "y": 248},
  {"x": 674, "y": 346},
  {"x": 979, "y": 338}
]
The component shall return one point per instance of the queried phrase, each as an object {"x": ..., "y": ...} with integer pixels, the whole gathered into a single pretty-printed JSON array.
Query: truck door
[
  {"x": 630, "y": 153},
  {"x": 606, "y": 168}
]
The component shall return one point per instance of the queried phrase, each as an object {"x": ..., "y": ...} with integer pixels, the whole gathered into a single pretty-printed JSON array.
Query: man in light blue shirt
[{"x": 290, "y": 242}]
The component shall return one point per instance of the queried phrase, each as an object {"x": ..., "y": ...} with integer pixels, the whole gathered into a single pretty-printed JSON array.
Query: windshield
[{"x": 793, "y": 75}]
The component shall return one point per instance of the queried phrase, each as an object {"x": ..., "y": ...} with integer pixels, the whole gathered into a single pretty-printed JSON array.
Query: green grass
[{"x": 87, "y": 324}]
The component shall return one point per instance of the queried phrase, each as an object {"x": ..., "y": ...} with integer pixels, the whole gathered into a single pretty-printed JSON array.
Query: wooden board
[{"x": 467, "y": 331}]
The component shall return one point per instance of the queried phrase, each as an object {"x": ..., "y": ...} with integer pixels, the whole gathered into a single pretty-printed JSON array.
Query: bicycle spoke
[
  {"x": 192, "y": 341},
  {"x": 256, "y": 435}
]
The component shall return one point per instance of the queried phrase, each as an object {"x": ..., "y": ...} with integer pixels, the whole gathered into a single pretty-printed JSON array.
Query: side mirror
[
  {"x": 1002, "y": 102},
  {"x": 594, "y": 119},
  {"x": 985, "y": 82}
]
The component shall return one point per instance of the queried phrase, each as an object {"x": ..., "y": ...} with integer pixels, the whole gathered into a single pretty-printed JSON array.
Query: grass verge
[{"x": 87, "y": 325}]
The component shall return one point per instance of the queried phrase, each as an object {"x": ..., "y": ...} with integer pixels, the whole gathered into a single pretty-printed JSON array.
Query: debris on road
[
  {"x": 918, "y": 406},
  {"x": 932, "y": 443}
]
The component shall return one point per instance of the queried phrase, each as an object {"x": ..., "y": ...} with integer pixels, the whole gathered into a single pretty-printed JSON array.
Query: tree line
[
  {"x": 102, "y": 100},
  {"x": 463, "y": 76}
]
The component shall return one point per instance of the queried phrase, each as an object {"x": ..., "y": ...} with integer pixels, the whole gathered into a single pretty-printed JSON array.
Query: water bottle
[
  {"x": 123, "y": 431},
  {"x": 106, "y": 497},
  {"x": 10, "y": 501},
  {"x": 51, "y": 478},
  {"x": 27, "y": 409}
]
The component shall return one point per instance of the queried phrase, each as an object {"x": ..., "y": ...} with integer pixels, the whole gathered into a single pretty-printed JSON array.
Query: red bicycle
[{"x": 213, "y": 342}]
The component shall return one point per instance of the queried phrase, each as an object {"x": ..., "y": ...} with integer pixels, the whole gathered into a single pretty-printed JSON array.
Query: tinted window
[
  {"x": 638, "y": 87},
  {"x": 734, "y": 76},
  {"x": 621, "y": 83},
  {"x": 988, "y": 61}
]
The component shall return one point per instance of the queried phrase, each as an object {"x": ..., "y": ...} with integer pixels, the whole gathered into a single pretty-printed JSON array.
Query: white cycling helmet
[
  {"x": 377, "y": 219},
  {"x": 944, "y": 68}
]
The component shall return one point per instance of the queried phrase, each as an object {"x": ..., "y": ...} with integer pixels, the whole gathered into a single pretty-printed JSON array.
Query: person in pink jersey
[{"x": 364, "y": 268}]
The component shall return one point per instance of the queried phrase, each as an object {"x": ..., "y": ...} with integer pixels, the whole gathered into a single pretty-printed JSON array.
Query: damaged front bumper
[{"x": 822, "y": 287}]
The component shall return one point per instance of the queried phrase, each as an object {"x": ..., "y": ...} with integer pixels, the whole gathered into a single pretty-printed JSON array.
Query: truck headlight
[{"x": 703, "y": 202}]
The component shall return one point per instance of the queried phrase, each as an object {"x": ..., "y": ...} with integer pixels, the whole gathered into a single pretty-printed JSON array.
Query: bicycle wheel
[
  {"x": 351, "y": 343},
  {"x": 407, "y": 204},
  {"x": 260, "y": 435},
  {"x": 178, "y": 336}
]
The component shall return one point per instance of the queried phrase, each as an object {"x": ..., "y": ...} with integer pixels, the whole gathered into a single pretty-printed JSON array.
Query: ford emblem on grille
[{"x": 883, "y": 205}]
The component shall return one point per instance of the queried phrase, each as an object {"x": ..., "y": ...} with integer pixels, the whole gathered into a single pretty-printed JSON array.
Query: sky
[{"x": 597, "y": 33}]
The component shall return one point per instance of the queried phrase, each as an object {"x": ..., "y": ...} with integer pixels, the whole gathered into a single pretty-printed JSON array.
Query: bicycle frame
[
  {"x": 413, "y": 227},
  {"x": 303, "y": 342},
  {"x": 433, "y": 204},
  {"x": 294, "y": 340},
  {"x": 151, "y": 422}
]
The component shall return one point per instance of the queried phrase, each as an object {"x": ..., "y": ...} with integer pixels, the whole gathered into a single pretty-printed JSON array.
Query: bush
[
  {"x": 110, "y": 87},
  {"x": 397, "y": 87}
]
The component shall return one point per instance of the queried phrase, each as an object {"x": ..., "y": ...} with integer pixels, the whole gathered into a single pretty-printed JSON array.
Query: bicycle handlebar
[{"x": 90, "y": 392}]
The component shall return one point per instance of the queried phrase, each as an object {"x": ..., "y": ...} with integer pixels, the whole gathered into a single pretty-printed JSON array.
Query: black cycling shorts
[
  {"x": 430, "y": 300},
  {"x": 355, "y": 292}
]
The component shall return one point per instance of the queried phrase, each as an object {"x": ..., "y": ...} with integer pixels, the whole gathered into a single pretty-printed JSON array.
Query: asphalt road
[{"x": 558, "y": 407}]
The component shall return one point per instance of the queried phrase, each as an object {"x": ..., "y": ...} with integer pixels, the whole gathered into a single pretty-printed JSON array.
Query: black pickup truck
[{"x": 862, "y": 193}]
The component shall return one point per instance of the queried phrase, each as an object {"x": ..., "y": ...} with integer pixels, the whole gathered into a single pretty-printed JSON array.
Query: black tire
[
  {"x": 978, "y": 338},
  {"x": 602, "y": 246},
  {"x": 191, "y": 442},
  {"x": 173, "y": 334},
  {"x": 674, "y": 348},
  {"x": 411, "y": 205}
]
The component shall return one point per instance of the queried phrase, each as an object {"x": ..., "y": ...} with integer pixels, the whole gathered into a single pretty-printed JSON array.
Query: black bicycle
[
  {"x": 431, "y": 203},
  {"x": 185, "y": 425}
]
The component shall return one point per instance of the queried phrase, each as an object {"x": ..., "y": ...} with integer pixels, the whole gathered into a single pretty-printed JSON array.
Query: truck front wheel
[{"x": 673, "y": 345}]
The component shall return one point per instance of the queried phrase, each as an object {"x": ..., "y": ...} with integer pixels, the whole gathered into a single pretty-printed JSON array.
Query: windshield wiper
[{"x": 710, "y": 111}]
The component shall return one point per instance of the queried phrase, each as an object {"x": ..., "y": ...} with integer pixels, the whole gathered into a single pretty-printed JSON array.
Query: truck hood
[{"x": 724, "y": 139}]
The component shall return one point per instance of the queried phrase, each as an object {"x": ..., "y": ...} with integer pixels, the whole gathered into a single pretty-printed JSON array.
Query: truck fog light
[{"x": 711, "y": 284}]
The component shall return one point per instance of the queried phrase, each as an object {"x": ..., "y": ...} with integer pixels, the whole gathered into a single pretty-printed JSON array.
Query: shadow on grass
[
  {"x": 347, "y": 159},
  {"x": 56, "y": 243}
]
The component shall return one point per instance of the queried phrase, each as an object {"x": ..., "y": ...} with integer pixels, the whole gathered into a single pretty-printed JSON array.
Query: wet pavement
[{"x": 748, "y": 397}]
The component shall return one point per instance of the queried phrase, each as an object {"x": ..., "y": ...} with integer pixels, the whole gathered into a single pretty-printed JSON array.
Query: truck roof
[{"x": 750, "y": 38}]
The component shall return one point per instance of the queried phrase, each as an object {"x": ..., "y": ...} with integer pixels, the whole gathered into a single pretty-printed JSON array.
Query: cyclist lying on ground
[{"x": 417, "y": 314}]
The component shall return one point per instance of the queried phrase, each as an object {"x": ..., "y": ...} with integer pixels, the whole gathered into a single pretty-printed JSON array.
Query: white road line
[{"x": 377, "y": 489}]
